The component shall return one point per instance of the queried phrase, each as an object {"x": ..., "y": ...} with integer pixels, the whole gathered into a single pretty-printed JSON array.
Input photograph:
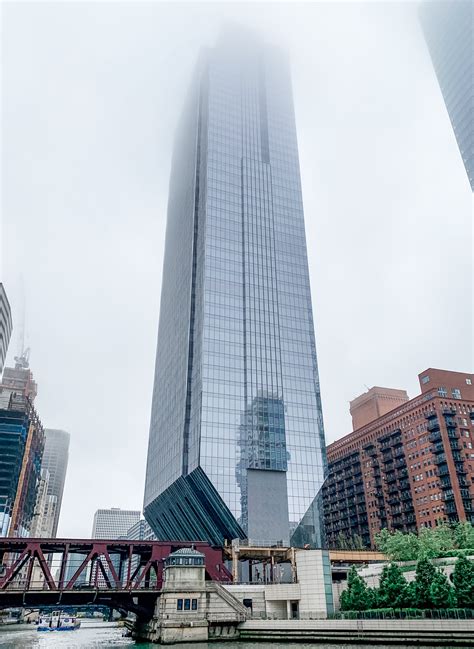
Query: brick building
[{"x": 407, "y": 467}]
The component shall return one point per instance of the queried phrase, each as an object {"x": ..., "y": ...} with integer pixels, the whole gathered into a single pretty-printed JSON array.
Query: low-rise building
[{"x": 191, "y": 609}]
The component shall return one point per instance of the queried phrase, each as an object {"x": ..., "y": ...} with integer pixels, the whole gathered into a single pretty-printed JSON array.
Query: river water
[{"x": 93, "y": 635}]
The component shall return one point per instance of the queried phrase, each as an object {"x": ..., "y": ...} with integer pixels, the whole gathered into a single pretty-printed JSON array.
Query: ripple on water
[{"x": 105, "y": 636}]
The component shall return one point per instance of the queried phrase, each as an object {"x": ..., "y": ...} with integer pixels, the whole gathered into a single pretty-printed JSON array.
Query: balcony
[
  {"x": 451, "y": 508},
  {"x": 433, "y": 425},
  {"x": 370, "y": 450},
  {"x": 435, "y": 436},
  {"x": 440, "y": 459},
  {"x": 454, "y": 444},
  {"x": 443, "y": 470},
  {"x": 430, "y": 414},
  {"x": 448, "y": 410},
  {"x": 460, "y": 470},
  {"x": 437, "y": 448},
  {"x": 450, "y": 422}
]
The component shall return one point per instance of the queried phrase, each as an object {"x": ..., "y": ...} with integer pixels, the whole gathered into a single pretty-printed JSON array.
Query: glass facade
[
  {"x": 55, "y": 461},
  {"x": 236, "y": 444},
  {"x": 113, "y": 523},
  {"x": 448, "y": 28}
]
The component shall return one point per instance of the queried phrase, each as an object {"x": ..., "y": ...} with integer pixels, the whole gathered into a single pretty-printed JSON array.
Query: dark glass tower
[
  {"x": 449, "y": 33},
  {"x": 236, "y": 444}
]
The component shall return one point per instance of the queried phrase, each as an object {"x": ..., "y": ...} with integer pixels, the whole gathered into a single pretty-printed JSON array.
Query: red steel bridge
[{"x": 125, "y": 575}]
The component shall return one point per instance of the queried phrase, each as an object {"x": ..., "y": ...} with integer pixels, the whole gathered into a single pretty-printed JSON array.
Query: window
[
  {"x": 187, "y": 604},
  {"x": 179, "y": 605},
  {"x": 456, "y": 392},
  {"x": 194, "y": 605},
  {"x": 468, "y": 382},
  {"x": 442, "y": 392},
  {"x": 425, "y": 379}
]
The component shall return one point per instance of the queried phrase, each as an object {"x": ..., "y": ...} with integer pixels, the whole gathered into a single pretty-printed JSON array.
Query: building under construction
[{"x": 21, "y": 450}]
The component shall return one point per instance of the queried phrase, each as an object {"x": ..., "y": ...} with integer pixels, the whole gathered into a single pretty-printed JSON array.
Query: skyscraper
[
  {"x": 21, "y": 449},
  {"x": 113, "y": 523},
  {"x": 5, "y": 325},
  {"x": 236, "y": 445},
  {"x": 55, "y": 460},
  {"x": 449, "y": 33}
]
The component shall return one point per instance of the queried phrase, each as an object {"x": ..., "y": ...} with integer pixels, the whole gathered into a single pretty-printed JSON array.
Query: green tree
[
  {"x": 463, "y": 580},
  {"x": 432, "y": 542},
  {"x": 372, "y": 598},
  {"x": 342, "y": 542},
  {"x": 344, "y": 601},
  {"x": 464, "y": 535},
  {"x": 398, "y": 546},
  {"x": 411, "y": 595},
  {"x": 392, "y": 592},
  {"x": 442, "y": 594},
  {"x": 357, "y": 542},
  {"x": 356, "y": 597},
  {"x": 424, "y": 576}
]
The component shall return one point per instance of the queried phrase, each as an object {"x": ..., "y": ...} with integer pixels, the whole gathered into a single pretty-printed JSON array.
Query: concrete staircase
[{"x": 238, "y": 608}]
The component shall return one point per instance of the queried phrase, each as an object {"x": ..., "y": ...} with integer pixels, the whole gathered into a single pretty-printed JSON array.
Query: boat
[{"x": 58, "y": 621}]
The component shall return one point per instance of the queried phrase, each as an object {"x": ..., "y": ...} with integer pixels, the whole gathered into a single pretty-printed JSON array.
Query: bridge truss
[{"x": 127, "y": 575}]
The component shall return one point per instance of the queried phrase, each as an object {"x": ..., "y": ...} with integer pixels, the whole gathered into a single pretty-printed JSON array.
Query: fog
[{"x": 91, "y": 94}]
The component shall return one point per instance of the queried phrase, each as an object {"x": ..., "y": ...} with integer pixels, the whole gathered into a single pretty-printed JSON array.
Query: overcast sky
[{"x": 91, "y": 95}]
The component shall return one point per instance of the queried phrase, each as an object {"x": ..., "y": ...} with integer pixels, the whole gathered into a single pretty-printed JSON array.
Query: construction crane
[{"x": 23, "y": 360}]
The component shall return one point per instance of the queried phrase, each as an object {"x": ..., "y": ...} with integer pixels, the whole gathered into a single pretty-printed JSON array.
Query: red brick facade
[{"x": 410, "y": 468}]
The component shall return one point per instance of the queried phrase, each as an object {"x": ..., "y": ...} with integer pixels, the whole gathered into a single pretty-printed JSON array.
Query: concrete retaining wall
[{"x": 428, "y": 633}]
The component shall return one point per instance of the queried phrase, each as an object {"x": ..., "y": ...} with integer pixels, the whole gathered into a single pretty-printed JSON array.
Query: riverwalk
[{"x": 422, "y": 633}]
